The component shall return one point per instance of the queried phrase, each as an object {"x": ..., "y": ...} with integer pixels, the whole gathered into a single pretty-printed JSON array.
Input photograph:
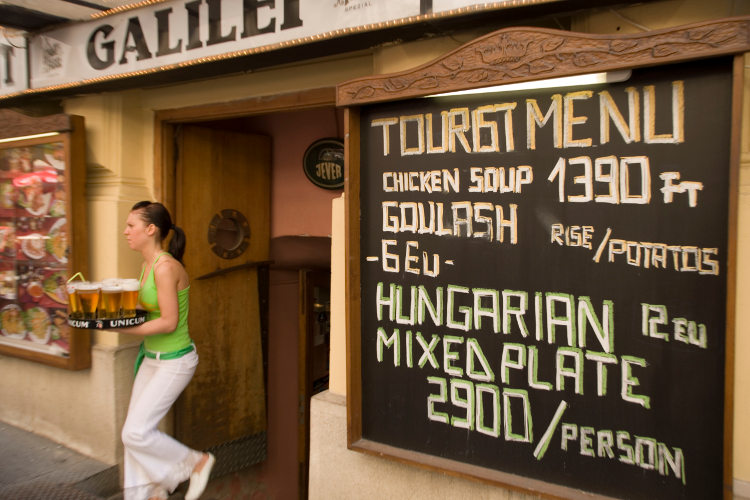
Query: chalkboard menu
[{"x": 544, "y": 280}]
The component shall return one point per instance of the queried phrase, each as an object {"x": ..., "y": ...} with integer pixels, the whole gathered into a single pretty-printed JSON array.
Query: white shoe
[{"x": 199, "y": 480}]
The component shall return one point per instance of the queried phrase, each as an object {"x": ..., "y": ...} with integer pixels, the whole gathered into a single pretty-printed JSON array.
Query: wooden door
[
  {"x": 314, "y": 349},
  {"x": 223, "y": 177}
]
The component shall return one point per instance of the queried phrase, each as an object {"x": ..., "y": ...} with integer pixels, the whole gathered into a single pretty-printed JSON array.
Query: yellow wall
[{"x": 337, "y": 370}]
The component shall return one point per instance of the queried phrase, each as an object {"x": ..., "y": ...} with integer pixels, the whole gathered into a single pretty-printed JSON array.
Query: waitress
[{"x": 155, "y": 463}]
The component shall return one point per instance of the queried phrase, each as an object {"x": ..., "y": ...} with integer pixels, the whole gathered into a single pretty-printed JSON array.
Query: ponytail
[{"x": 177, "y": 243}]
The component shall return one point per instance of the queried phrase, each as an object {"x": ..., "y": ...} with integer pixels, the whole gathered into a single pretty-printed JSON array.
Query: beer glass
[
  {"x": 130, "y": 289},
  {"x": 88, "y": 294},
  {"x": 111, "y": 300},
  {"x": 74, "y": 302}
]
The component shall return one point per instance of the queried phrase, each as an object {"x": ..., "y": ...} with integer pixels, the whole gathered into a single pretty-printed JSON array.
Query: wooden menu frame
[
  {"x": 45, "y": 154},
  {"x": 517, "y": 55}
]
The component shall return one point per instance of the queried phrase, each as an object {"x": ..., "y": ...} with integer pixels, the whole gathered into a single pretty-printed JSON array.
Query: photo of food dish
[
  {"x": 17, "y": 160},
  {"x": 60, "y": 327},
  {"x": 8, "y": 284},
  {"x": 57, "y": 207},
  {"x": 57, "y": 241},
  {"x": 32, "y": 245},
  {"x": 38, "y": 325},
  {"x": 7, "y": 238},
  {"x": 11, "y": 322},
  {"x": 58, "y": 164},
  {"x": 24, "y": 159},
  {"x": 35, "y": 202},
  {"x": 32, "y": 193},
  {"x": 35, "y": 290},
  {"x": 55, "y": 155},
  {"x": 8, "y": 195},
  {"x": 54, "y": 287}
]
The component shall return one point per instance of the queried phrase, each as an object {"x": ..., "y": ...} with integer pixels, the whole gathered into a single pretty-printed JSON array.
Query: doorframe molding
[{"x": 166, "y": 122}]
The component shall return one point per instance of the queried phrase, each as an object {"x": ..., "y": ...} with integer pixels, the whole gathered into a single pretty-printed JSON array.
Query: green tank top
[{"x": 164, "y": 342}]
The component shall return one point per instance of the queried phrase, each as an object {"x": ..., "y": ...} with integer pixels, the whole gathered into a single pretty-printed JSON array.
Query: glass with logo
[
  {"x": 130, "y": 289},
  {"x": 111, "y": 299},
  {"x": 75, "y": 309},
  {"x": 88, "y": 294}
]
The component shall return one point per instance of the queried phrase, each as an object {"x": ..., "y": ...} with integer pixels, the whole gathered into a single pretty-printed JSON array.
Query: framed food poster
[{"x": 42, "y": 178}]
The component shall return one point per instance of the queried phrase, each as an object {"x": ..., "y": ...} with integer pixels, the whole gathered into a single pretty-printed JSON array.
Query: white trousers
[{"x": 155, "y": 463}]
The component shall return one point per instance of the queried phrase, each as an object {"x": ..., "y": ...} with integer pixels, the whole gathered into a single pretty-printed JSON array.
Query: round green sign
[{"x": 323, "y": 163}]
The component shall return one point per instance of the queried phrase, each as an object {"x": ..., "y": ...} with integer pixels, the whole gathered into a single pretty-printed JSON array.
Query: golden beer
[
  {"x": 88, "y": 294},
  {"x": 75, "y": 310},
  {"x": 130, "y": 289},
  {"x": 111, "y": 301}
]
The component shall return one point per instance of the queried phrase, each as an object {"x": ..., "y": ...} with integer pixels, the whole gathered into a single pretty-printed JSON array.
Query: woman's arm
[{"x": 166, "y": 277}]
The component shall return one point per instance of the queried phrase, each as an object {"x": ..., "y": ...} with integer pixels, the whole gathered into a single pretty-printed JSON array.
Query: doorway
[
  {"x": 315, "y": 348},
  {"x": 263, "y": 346}
]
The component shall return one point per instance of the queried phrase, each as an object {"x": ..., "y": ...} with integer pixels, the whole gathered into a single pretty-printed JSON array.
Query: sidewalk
[{"x": 36, "y": 468}]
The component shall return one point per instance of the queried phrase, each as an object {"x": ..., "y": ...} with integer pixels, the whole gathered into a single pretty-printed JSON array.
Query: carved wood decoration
[
  {"x": 14, "y": 124},
  {"x": 522, "y": 54}
]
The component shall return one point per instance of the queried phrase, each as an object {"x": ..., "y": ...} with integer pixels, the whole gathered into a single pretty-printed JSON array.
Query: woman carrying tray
[{"x": 155, "y": 463}]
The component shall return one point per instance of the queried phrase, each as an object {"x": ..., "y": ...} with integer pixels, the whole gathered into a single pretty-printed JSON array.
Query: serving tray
[{"x": 103, "y": 324}]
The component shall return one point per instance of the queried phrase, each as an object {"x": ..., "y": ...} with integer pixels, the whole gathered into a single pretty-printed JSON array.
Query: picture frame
[{"x": 42, "y": 243}]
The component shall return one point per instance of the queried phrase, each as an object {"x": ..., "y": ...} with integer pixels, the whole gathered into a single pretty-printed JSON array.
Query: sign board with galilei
[
  {"x": 541, "y": 273},
  {"x": 36, "y": 256}
]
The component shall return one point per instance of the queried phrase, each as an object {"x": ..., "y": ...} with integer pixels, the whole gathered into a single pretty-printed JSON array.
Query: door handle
[{"x": 247, "y": 265}]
